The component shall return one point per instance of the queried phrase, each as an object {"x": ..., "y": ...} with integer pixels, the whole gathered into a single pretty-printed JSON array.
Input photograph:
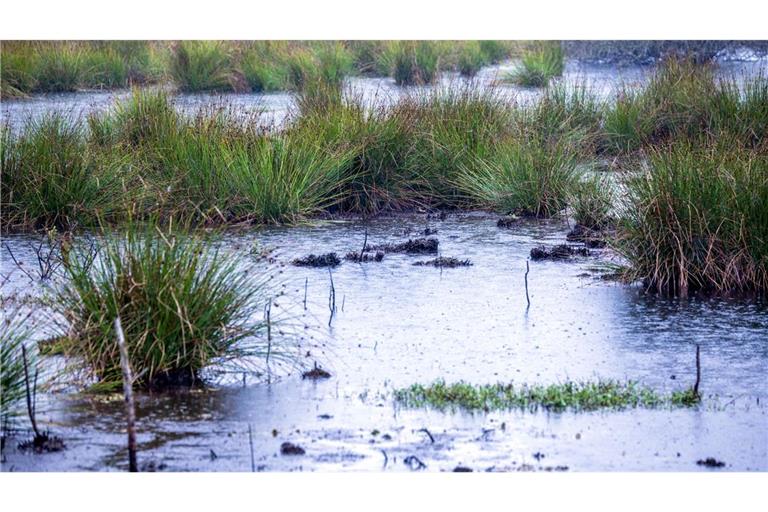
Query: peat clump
[
  {"x": 558, "y": 252},
  {"x": 291, "y": 449},
  {"x": 43, "y": 443},
  {"x": 412, "y": 246},
  {"x": 711, "y": 462},
  {"x": 508, "y": 221},
  {"x": 591, "y": 238},
  {"x": 444, "y": 261},
  {"x": 321, "y": 260},
  {"x": 316, "y": 373},
  {"x": 362, "y": 257}
]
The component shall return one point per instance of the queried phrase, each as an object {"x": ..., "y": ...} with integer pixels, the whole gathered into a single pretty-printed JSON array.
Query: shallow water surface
[{"x": 397, "y": 324}]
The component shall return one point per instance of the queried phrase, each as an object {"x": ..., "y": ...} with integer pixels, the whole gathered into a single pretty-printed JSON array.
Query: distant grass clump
[
  {"x": 67, "y": 66},
  {"x": 628, "y": 123},
  {"x": 578, "y": 396},
  {"x": 527, "y": 175},
  {"x": 539, "y": 65},
  {"x": 413, "y": 62},
  {"x": 697, "y": 220},
  {"x": 182, "y": 304},
  {"x": 14, "y": 333},
  {"x": 592, "y": 201},
  {"x": 201, "y": 66},
  {"x": 49, "y": 179},
  {"x": 471, "y": 58},
  {"x": 452, "y": 129},
  {"x": 495, "y": 51},
  {"x": 685, "y": 100}
]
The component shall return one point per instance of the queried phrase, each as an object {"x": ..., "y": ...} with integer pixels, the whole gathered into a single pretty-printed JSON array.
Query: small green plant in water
[{"x": 579, "y": 396}]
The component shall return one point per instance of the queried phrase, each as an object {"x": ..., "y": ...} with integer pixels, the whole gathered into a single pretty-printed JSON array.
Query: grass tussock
[
  {"x": 413, "y": 62},
  {"x": 66, "y": 66},
  {"x": 527, "y": 176},
  {"x": 696, "y": 220},
  {"x": 15, "y": 333},
  {"x": 539, "y": 64},
  {"x": 49, "y": 179},
  {"x": 183, "y": 306}
]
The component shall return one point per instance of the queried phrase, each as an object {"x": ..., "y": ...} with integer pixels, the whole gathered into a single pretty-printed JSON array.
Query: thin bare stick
[
  {"x": 268, "y": 315},
  {"x": 250, "y": 442},
  {"x": 365, "y": 242},
  {"x": 30, "y": 407},
  {"x": 331, "y": 298},
  {"x": 698, "y": 372},
  {"x": 527, "y": 269},
  {"x": 306, "y": 282},
  {"x": 130, "y": 409},
  {"x": 18, "y": 265}
]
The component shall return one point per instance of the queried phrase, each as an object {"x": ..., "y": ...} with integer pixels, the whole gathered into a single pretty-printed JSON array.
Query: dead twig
[
  {"x": 30, "y": 400},
  {"x": 527, "y": 269},
  {"x": 250, "y": 442},
  {"x": 268, "y": 316},
  {"x": 130, "y": 409},
  {"x": 429, "y": 434},
  {"x": 331, "y": 298},
  {"x": 698, "y": 373}
]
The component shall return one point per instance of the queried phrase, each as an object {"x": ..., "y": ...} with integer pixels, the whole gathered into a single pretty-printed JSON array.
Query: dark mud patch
[
  {"x": 316, "y": 373},
  {"x": 591, "y": 238},
  {"x": 443, "y": 261},
  {"x": 291, "y": 449},
  {"x": 462, "y": 469},
  {"x": 43, "y": 443},
  {"x": 414, "y": 246},
  {"x": 711, "y": 462},
  {"x": 322, "y": 260},
  {"x": 508, "y": 221},
  {"x": 557, "y": 253},
  {"x": 362, "y": 257},
  {"x": 153, "y": 467}
]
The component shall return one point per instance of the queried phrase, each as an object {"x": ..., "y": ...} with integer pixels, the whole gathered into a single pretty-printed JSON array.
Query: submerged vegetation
[
  {"x": 183, "y": 306},
  {"x": 580, "y": 396}
]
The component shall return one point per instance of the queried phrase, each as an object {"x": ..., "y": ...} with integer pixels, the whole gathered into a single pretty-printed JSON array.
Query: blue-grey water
[{"x": 397, "y": 324}]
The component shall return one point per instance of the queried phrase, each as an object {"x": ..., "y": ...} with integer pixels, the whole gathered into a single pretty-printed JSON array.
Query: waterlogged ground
[
  {"x": 272, "y": 109},
  {"x": 397, "y": 324}
]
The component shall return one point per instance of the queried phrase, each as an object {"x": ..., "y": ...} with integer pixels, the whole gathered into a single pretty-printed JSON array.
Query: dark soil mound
[
  {"x": 357, "y": 257},
  {"x": 558, "y": 252},
  {"x": 592, "y": 238},
  {"x": 415, "y": 246},
  {"x": 322, "y": 260},
  {"x": 45, "y": 442},
  {"x": 443, "y": 261},
  {"x": 316, "y": 373},
  {"x": 508, "y": 221},
  {"x": 711, "y": 462},
  {"x": 291, "y": 449}
]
